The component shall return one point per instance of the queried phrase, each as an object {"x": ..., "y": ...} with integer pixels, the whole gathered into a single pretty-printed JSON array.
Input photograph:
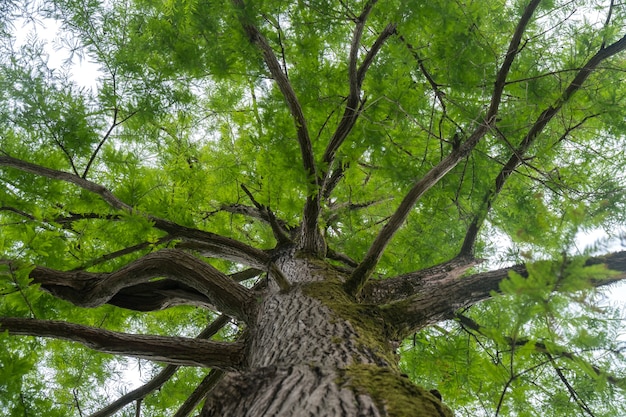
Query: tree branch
[
  {"x": 511, "y": 53},
  {"x": 89, "y": 289},
  {"x": 158, "y": 295},
  {"x": 516, "y": 158},
  {"x": 581, "y": 403},
  {"x": 440, "y": 299},
  {"x": 106, "y": 136},
  {"x": 406, "y": 285},
  {"x": 311, "y": 241},
  {"x": 260, "y": 214},
  {"x": 67, "y": 177},
  {"x": 540, "y": 347},
  {"x": 18, "y": 212},
  {"x": 286, "y": 89},
  {"x": 356, "y": 77},
  {"x": 210, "y": 243},
  {"x": 172, "y": 350},
  {"x": 160, "y": 379},
  {"x": 280, "y": 234},
  {"x": 196, "y": 397},
  {"x": 433, "y": 84},
  {"x": 125, "y": 251},
  {"x": 362, "y": 273}
]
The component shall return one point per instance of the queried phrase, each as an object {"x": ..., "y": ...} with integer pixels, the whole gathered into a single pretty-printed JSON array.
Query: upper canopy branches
[{"x": 520, "y": 153}]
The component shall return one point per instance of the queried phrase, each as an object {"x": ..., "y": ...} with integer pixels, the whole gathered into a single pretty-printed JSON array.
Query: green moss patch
[
  {"x": 365, "y": 319},
  {"x": 394, "y": 395}
]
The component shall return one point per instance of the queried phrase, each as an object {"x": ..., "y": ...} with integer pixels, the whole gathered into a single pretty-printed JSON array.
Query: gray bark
[{"x": 315, "y": 351}]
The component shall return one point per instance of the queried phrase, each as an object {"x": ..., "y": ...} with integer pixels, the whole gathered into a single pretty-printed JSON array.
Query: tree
[{"x": 320, "y": 186}]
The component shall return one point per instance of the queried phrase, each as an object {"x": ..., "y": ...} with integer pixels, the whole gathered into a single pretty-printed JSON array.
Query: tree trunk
[{"x": 316, "y": 352}]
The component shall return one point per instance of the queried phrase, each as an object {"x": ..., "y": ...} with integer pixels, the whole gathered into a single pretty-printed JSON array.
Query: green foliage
[
  {"x": 532, "y": 352},
  {"x": 184, "y": 112}
]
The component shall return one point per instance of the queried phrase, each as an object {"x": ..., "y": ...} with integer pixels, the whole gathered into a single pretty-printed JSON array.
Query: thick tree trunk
[{"x": 315, "y": 352}]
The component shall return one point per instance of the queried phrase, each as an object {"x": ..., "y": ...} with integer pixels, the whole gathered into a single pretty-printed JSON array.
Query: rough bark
[
  {"x": 442, "y": 294},
  {"x": 171, "y": 350},
  {"x": 89, "y": 289},
  {"x": 315, "y": 351}
]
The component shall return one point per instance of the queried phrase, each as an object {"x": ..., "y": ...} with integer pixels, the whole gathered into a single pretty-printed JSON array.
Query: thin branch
[
  {"x": 278, "y": 230},
  {"x": 172, "y": 350},
  {"x": 343, "y": 258},
  {"x": 433, "y": 84},
  {"x": 160, "y": 379},
  {"x": 98, "y": 189},
  {"x": 17, "y": 211},
  {"x": 66, "y": 152},
  {"x": 606, "y": 23},
  {"x": 122, "y": 252},
  {"x": 569, "y": 387},
  {"x": 511, "y": 53},
  {"x": 256, "y": 213},
  {"x": 517, "y": 156},
  {"x": 539, "y": 347},
  {"x": 196, "y": 397},
  {"x": 334, "y": 179},
  {"x": 89, "y": 289},
  {"x": 105, "y": 137},
  {"x": 356, "y": 77}
]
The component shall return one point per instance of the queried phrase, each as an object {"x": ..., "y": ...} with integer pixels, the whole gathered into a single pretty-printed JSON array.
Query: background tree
[{"x": 273, "y": 199}]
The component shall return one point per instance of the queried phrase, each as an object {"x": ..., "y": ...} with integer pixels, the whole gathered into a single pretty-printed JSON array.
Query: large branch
[
  {"x": 160, "y": 379},
  {"x": 158, "y": 295},
  {"x": 165, "y": 293},
  {"x": 311, "y": 241},
  {"x": 210, "y": 243},
  {"x": 406, "y": 285},
  {"x": 362, "y": 273},
  {"x": 89, "y": 289},
  {"x": 257, "y": 38},
  {"x": 518, "y": 154},
  {"x": 441, "y": 300},
  {"x": 172, "y": 350}
]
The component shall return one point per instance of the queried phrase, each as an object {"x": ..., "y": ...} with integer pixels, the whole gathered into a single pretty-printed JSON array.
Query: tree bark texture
[{"x": 315, "y": 351}]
